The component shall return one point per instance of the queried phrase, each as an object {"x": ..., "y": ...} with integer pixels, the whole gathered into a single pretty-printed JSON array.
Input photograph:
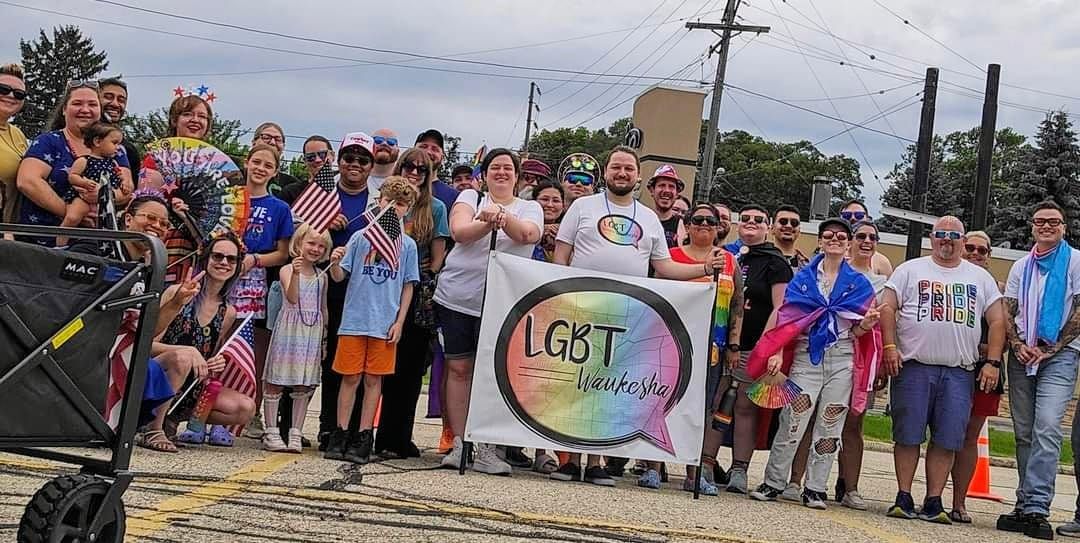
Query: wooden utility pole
[
  {"x": 922, "y": 163},
  {"x": 728, "y": 26},
  {"x": 986, "y": 147},
  {"x": 533, "y": 88}
]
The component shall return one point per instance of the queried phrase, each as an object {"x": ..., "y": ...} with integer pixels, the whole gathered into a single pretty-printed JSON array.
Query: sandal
[
  {"x": 220, "y": 436},
  {"x": 960, "y": 516},
  {"x": 155, "y": 440},
  {"x": 545, "y": 464}
]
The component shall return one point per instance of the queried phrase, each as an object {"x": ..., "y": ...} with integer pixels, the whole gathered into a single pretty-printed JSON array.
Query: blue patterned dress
[{"x": 295, "y": 354}]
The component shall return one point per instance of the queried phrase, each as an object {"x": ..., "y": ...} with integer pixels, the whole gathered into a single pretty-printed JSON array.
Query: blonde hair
[
  {"x": 423, "y": 217},
  {"x": 302, "y": 231},
  {"x": 14, "y": 70},
  {"x": 398, "y": 189},
  {"x": 264, "y": 147},
  {"x": 980, "y": 235}
]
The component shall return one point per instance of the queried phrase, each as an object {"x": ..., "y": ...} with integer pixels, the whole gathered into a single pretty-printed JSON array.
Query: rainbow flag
[
  {"x": 805, "y": 309},
  {"x": 479, "y": 156}
]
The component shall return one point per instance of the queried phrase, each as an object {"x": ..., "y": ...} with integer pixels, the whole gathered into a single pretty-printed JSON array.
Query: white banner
[{"x": 590, "y": 362}]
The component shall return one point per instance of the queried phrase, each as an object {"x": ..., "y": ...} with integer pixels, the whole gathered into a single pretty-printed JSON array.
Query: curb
[{"x": 997, "y": 461}]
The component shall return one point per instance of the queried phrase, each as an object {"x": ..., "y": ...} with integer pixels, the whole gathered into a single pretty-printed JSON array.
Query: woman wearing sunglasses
[
  {"x": 702, "y": 226},
  {"x": 853, "y": 211},
  {"x": 43, "y": 179},
  {"x": 428, "y": 225},
  {"x": 318, "y": 151},
  {"x": 12, "y": 141},
  {"x": 578, "y": 173}
]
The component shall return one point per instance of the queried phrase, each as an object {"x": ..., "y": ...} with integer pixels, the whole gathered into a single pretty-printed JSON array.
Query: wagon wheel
[{"x": 62, "y": 510}]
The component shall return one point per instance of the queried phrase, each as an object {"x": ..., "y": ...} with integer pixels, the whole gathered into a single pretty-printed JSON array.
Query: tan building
[{"x": 670, "y": 121}]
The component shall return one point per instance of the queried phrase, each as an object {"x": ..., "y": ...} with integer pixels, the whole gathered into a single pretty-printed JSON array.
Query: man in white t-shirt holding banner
[
  {"x": 612, "y": 232},
  {"x": 1043, "y": 327},
  {"x": 931, "y": 325}
]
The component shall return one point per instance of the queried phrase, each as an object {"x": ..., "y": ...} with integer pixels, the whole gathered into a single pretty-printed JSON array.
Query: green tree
[
  {"x": 451, "y": 155},
  {"x": 551, "y": 146},
  {"x": 775, "y": 173},
  {"x": 50, "y": 63},
  {"x": 953, "y": 164},
  {"x": 1048, "y": 171}
]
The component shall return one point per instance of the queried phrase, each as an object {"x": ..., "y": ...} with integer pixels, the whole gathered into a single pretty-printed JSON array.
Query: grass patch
[{"x": 1003, "y": 444}]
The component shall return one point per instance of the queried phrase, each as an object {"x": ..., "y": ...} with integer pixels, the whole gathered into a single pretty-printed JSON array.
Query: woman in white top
[{"x": 517, "y": 225}]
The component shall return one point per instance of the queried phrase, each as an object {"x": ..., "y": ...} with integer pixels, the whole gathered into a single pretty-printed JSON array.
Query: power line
[
  {"x": 933, "y": 39},
  {"x": 614, "y": 47},
  {"x": 749, "y": 118},
  {"x": 673, "y": 75}
]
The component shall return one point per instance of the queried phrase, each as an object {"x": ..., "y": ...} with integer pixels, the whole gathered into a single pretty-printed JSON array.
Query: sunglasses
[
  {"x": 759, "y": 219},
  {"x": 421, "y": 169},
  {"x": 704, "y": 220},
  {"x": 577, "y": 162},
  {"x": 853, "y": 216},
  {"x": 78, "y": 84},
  {"x": 972, "y": 248},
  {"x": 863, "y": 236},
  {"x": 952, "y": 235},
  {"x": 362, "y": 160},
  {"x": 794, "y": 223},
  {"x": 17, "y": 94},
  {"x": 379, "y": 140},
  {"x": 832, "y": 234},
  {"x": 579, "y": 179},
  {"x": 222, "y": 257},
  {"x": 1047, "y": 222},
  {"x": 164, "y": 222},
  {"x": 317, "y": 155}
]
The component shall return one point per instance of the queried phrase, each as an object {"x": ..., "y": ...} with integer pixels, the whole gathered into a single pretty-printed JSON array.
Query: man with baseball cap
[
  {"x": 665, "y": 186},
  {"x": 432, "y": 142},
  {"x": 462, "y": 178},
  {"x": 356, "y": 157}
]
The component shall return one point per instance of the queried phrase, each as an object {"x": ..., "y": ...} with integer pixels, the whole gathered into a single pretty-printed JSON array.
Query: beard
[
  {"x": 383, "y": 157},
  {"x": 620, "y": 190}
]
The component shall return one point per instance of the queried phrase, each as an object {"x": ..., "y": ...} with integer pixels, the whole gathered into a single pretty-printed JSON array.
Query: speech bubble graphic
[
  {"x": 620, "y": 230},
  {"x": 594, "y": 363}
]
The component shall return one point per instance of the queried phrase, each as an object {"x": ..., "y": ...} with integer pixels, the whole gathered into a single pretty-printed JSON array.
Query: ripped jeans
[{"x": 826, "y": 392}]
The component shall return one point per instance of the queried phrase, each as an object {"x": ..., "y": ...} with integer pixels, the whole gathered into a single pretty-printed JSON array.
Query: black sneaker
[
  {"x": 597, "y": 476},
  {"x": 814, "y": 499},
  {"x": 323, "y": 439},
  {"x": 358, "y": 451},
  {"x": 841, "y": 489},
  {"x": 569, "y": 472},
  {"x": 903, "y": 507},
  {"x": 1012, "y": 522},
  {"x": 933, "y": 511},
  {"x": 516, "y": 458},
  {"x": 765, "y": 493},
  {"x": 1038, "y": 527},
  {"x": 333, "y": 445},
  {"x": 615, "y": 466}
]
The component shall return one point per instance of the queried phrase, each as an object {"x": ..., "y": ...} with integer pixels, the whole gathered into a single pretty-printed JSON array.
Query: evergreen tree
[
  {"x": 50, "y": 63},
  {"x": 1048, "y": 171}
]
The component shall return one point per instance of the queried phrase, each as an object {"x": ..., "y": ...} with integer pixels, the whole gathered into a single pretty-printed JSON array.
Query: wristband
[
  {"x": 888, "y": 346},
  {"x": 256, "y": 258}
]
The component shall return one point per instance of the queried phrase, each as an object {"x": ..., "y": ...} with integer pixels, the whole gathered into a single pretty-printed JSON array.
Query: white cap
[{"x": 358, "y": 138}]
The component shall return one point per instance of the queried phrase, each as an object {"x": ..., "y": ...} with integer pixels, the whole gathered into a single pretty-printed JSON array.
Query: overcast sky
[{"x": 1034, "y": 40}]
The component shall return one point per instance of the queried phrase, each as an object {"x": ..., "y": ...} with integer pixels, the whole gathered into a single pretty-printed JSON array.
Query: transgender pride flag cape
[{"x": 806, "y": 310}]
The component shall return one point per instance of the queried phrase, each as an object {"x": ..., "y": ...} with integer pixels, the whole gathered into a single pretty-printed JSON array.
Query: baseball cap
[
  {"x": 668, "y": 171},
  {"x": 431, "y": 134},
  {"x": 834, "y": 221},
  {"x": 357, "y": 139},
  {"x": 460, "y": 169},
  {"x": 536, "y": 167}
]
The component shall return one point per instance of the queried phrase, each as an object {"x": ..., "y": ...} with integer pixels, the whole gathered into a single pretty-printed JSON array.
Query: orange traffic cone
[
  {"x": 980, "y": 482},
  {"x": 378, "y": 413}
]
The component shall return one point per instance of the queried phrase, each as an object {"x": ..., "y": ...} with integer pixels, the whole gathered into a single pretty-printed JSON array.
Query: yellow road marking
[
  {"x": 27, "y": 463},
  {"x": 853, "y": 522},
  {"x": 177, "y": 507}
]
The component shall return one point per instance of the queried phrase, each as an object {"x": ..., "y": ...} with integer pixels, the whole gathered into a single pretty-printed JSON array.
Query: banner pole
[
  {"x": 467, "y": 446},
  {"x": 708, "y": 361}
]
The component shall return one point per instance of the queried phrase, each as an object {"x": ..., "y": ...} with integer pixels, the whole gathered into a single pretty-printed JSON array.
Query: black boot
[
  {"x": 358, "y": 451},
  {"x": 335, "y": 445},
  {"x": 1038, "y": 527}
]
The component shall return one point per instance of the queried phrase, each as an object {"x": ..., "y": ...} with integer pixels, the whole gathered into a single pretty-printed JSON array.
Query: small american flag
[
  {"x": 384, "y": 234},
  {"x": 119, "y": 363},
  {"x": 239, "y": 352},
  {"x": 318, "y": 205}
]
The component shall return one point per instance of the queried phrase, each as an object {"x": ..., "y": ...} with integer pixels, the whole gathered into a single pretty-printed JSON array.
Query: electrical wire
[{"x": 933, "y": 39}]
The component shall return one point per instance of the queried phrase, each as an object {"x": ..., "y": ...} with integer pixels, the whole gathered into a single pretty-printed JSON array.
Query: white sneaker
[
  {"x": 453, "y": 459},
  {"x": 792, "y": 493},
  {"x": 487, "y": 461},
  {"x": 255, "y": 428},
  {"x": 853, "y": 500},
  {"x": 296, "y": 440},
  {"x": 272, "y": 441}
]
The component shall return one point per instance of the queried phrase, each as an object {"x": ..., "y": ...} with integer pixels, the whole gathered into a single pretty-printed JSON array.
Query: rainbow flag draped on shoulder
[{"x": 806, "y": 310}]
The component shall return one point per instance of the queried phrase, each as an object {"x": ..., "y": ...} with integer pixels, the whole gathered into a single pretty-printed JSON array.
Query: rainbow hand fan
[{"x": 773, "y": 395}]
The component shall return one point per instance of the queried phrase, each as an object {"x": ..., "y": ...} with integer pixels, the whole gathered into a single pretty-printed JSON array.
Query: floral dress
[{"x": 186, "y": 330}]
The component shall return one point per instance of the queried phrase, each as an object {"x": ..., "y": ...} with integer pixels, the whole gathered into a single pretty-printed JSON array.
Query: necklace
[
  {"x": 633, "y": 204},
  {"x": 300, "y": 302}
]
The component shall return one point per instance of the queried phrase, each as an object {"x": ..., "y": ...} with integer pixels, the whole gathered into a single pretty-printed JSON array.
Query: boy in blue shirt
[{"x": 376, "y": 306}]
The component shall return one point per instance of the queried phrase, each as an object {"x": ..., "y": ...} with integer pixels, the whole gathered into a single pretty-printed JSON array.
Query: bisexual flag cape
[{"x": 806, "y": 310}]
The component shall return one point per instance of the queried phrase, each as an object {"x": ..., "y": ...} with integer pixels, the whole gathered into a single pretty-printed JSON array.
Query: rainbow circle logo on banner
[{"x": 594, "y": 363}]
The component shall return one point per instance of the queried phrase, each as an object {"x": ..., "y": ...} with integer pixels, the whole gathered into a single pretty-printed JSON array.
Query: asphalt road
[{"x": 245, "y": 494}]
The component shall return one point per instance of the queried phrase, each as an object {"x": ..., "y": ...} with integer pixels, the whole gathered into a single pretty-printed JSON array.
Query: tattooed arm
[
  {"x": 735, "y": 314},
  {"x": 1012, "y": 334},
  {"x": 1026, "y": 354},
  {"x": 1071, "y": 330}
]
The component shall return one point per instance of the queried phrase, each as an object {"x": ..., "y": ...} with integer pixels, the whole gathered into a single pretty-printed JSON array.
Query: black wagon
[{"x": 62, "y": 315}]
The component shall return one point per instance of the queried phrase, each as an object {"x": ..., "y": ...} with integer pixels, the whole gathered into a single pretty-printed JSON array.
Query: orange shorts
[{"x": 363, "y": 354}]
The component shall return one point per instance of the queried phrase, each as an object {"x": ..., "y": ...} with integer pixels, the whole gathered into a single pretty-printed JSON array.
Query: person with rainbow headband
[{"x": 828, "y": 321}]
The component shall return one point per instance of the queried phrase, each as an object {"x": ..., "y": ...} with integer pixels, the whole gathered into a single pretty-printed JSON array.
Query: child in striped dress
[{"x": 296, "y": 348}]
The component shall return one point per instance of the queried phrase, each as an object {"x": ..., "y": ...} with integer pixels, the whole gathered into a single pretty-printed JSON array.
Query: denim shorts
[
  {"x": 460, "y": 333},
  {"x": 937, "y": 397}
]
